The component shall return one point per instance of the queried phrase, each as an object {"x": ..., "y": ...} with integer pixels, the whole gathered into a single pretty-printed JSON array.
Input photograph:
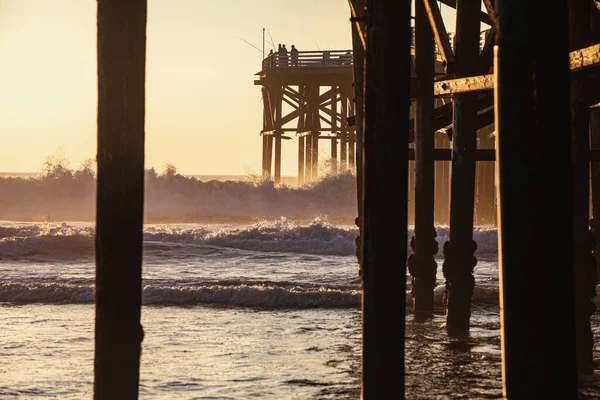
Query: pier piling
[
  {"x": 421, "y": 263},
  {"x": 580, "y": 36},
  {"x": 535, "y": 182},
  {"x": 387, "y": 103},
  {"x": 459, "y": 259},
  {"x": 120, "y": 197}
]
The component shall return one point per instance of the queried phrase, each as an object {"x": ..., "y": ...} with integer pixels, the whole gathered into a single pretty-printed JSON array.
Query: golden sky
[{"x": 203, "y": 112}]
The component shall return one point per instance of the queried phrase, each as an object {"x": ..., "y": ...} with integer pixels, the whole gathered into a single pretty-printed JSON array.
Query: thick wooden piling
[
  {"x": 595, "y": 179},
  {"x": 277, "y": 134},
  {"x": 277, "y": 175},
  {"x": 484, "y": 204},
  {"x": 301, "y": 161},
  {"x": 315, "y": 156},
  {"x": 315, "y": 132},
  {"x": 120, "y": 197},
  {"x": 421, "y": 263},
  {"x": 269, "y": 157},
  {"x": 334, "y": 161},
  {"x": 459, "y": 259},
  {"x": 535, "y": 197},
  {"x": 442, "y": 183},
  {"x": 308, "y": 159},
  {"x": 387, "y": 89},
  {"x": 585, "y": 263}
]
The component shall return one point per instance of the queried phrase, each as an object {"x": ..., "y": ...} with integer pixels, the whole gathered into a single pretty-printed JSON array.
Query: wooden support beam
[
  {"x": 595, "y": 178},
  {"x": 485, "y": 181},
  {"x": 334, "y": 157},
  {"x": 459, "y": 261},
  {"x": 486, "y": 57},
  {"x": 580, "y": 35},
  {"x": 387, "y": 92},
  {"x": 441, "y": 36},
  {"x": 356, "y": 100},
  {"x": 269, "y": 163},
  {"x": 308, "y": 160},
  {"x": 288, "y": 102},
  {"x": 535, "y": 182},
  {"x": 442, "y": 116},
  {"x": 356, "y": 19},
  {"x": 587, "y": 57},
  {"x": 584, "y": 58},
  {"x": 121, "y": 58},
  {"x": 446, "y": 154},
  {"x": 442, "y": 180},
  {"x": 300, "y": 161},
  {"x": 421, "y": 263},
  {"x": 464, "y": 85},
  {"x": 489, "y": 6},
  {"x": 483, "y": 17}
]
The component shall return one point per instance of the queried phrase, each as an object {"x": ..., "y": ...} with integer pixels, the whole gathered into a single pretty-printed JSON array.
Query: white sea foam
[
  {"x": 65, "y": 241},
  {"x": 242, "y": 295},
  {"x": 228, "y": 295}
]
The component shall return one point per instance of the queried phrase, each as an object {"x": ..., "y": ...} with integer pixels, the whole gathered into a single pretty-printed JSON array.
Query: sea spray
[
  {"x": 68, "y": 240},
  {"x": 64, "y": 194}
]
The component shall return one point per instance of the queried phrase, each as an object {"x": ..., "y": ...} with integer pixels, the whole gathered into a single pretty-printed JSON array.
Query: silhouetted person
[
  {"x": 270, "y": 59},
  {"x": 278, "y": 55},
  {"x": 294, "y": 55},
  {"x": 284, "y": 56}
]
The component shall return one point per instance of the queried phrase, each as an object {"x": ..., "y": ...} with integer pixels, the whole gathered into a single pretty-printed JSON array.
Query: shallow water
[{"x": 232, "y": 311}]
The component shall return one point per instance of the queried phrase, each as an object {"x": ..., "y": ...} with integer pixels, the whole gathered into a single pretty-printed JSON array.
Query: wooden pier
[
  {"x": 536, "y": 78},
  {"x": 307, "y": 94},
  {"x": 524, "y": 112}
]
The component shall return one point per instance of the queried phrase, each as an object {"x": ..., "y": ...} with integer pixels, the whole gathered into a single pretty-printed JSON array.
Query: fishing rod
[
  {"x": 261, "y": 51},
  {"x": 272, "y": 41}
]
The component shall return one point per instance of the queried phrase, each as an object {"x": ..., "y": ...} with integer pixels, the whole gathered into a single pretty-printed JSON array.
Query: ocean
[{"x": 250, "y": 291}]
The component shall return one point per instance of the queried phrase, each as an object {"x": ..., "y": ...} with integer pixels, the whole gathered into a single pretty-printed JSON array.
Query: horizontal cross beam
[{"x": 578, "y": 60}]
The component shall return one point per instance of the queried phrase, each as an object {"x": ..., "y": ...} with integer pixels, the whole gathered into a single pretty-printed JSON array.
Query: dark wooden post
[
  {"x": 585, "y": 264},
  {"x": 315, "y": 155},
  {"x": 277, "y": 133},
  {"x": 269, "y": 159},
  {"x": 344, "y": 133},
  {"x": 595, "y": 169},
  {"x": 315, "y": 132},
  {"x": 301, "y": 161},
  {"x": 459, "y": 260},
  {"x": 387, "y": 93},
  {"x": 534, "y": 161},
  {"x": 267, "y": 125},
  {"x": 308, "y": 159},
  {"x": 442, "y": 180},
  {"x": 120, "y": 197},
  {"x": 484, "y": 207},
  {"x": 421, "y": 263},
  {"x": 351, "y": 139},
  {"x": 334, "y": 168},
  {"x": 300, "y": 130},
  {"x": 264, "y": 156}
]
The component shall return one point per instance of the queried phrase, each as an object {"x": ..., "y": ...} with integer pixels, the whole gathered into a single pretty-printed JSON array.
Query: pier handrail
[{"x": 309, "y": 59}]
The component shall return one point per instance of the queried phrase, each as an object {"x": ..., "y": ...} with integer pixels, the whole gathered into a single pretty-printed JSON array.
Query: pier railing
[{"x": 309, "y": 59}]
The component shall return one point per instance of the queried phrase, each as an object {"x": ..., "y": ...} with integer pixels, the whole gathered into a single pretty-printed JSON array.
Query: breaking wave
[
  {"x": 260, "y": 296},
  {"x": 74, "y": 241}
]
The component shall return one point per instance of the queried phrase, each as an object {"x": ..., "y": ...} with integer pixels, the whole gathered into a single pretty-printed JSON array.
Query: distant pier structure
[{"x": 307, "y": 94}]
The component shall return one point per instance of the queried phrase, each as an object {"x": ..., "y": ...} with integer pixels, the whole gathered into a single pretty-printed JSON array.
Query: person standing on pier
[
  {"x": 270, "y": 59},
  {"x": 294, "y": 56},
  {"x": 278, "y": 56},
  {"x": 284, "y": 56}
]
